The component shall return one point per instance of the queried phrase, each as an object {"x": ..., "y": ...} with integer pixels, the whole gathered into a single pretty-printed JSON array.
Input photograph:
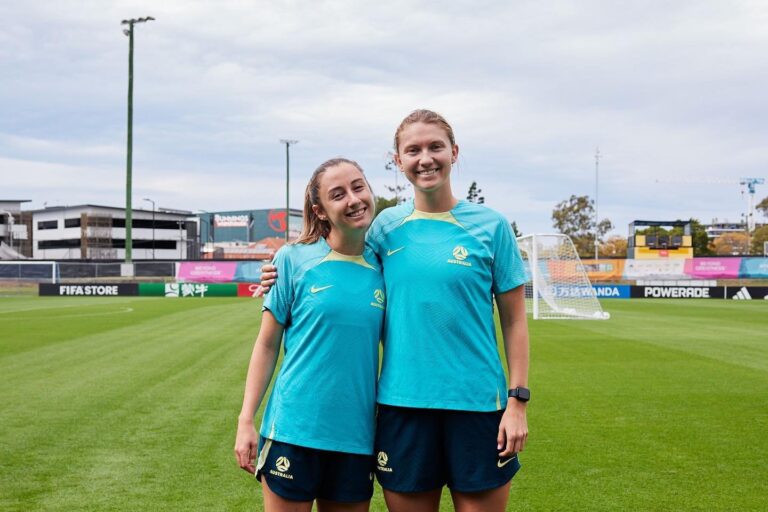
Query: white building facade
[{"x": 93, "y": 232}]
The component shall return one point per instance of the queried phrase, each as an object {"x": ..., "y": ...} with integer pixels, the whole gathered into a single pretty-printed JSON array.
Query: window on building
[
  {"x": 119, "y": 243},
  {"x": 48, "y": 224},
  {"x": 59, "y": 244},
  {"x": 72, "y": 223}
]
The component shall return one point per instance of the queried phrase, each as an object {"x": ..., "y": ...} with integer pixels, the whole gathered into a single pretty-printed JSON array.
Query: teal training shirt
[
  {"x": 441, "y": 271},
  {"x": 332, "y": 308}
]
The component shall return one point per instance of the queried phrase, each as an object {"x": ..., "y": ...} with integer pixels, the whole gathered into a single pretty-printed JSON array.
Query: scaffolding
[{"x": 96, "y": 237}]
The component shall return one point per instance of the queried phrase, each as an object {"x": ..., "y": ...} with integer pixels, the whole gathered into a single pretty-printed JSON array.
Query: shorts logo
[
  {"x": 390, "y": 252},
  {"x": 382, "y": 460},
  {"x": 282, "y": 464},
  {"x": 460, "y": 254},
  {"x": 380, "y": 298},
  {"x": 502, "y": 464},
  {"x": 315, "y": 289}
]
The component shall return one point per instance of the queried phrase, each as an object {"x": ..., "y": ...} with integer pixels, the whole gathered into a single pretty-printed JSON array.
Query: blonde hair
[
  {"x": 315, "y": 227},
  {"x": 424, "y": 116}
]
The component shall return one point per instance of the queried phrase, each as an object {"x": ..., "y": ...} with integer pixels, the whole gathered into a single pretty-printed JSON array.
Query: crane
[{"x": 750, "y": 184}]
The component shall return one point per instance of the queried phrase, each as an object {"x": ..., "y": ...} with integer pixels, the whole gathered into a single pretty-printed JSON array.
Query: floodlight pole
[
  {"x": 597, "y": 167},
  {"x": 287, "y": 143},
  {"x": 153, "y": 226},
  {"x": 129, "y": 157}
]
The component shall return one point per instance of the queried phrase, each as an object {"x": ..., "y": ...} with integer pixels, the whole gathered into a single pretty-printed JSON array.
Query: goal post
[
  {"x": 33, "y": 271},
  {"x": 558, "y": 286}
]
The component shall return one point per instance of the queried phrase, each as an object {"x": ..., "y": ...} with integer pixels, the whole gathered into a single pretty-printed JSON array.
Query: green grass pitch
[{"x": 131, "y": 404}]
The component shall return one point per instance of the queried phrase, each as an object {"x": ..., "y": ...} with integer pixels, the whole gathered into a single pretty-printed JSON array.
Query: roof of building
[{"x": 180, "y": 213}]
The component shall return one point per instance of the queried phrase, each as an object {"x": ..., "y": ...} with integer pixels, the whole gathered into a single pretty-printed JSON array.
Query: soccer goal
[
  {"x": 558, "y": 286},
  {"x": 33, "y": 271}
]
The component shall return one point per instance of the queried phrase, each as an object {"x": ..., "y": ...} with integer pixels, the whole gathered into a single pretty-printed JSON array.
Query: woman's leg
[
  {"x": 492, "y": 500},
  {"x": 340, "y": 506},
  {"x": 426, "y": 501},
  {"x": 276, "y": 503}
]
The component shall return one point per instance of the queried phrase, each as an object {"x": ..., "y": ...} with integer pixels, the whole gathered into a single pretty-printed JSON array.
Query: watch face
[{"x": 521, "y": 393}]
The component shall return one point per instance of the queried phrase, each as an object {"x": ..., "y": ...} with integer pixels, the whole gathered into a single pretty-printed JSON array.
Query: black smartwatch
[{"x": 520, "y": 393}]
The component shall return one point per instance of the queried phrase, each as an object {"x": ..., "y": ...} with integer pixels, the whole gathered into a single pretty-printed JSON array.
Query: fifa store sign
[{"x": 89, "y": 290}]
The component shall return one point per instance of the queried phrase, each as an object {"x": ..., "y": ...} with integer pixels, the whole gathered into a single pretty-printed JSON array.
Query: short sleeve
[
  {"x": 508, "y": 269},
  {"x": 280, "y": 298}
]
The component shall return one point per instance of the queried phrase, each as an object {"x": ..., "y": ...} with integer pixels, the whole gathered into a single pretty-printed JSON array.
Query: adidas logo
[{"x": 742, "y": 294}]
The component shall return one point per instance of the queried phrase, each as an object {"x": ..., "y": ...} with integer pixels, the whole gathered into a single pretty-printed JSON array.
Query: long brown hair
[
  {"x": 314, "y": 226},
  {"x": 424, "y": 116}
]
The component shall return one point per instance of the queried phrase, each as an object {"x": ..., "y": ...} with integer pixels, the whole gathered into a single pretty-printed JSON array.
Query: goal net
[
  {"x": 32, "y": 271},
  {"x": 558, "y": 286}
]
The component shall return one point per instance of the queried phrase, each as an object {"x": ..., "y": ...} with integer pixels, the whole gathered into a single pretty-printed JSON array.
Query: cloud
[{"x": 666, "y": 90}]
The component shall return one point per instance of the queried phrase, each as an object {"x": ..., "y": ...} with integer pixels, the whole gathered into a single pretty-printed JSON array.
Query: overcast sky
[{"x": 668, "y": 90}]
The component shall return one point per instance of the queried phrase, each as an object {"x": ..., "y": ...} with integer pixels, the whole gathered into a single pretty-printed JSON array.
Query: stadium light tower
[
  {"x": 129, "y": 158},
  {"x": 597, "y": 167},
  {"x": 153, "y": 225},
  {"x": 287, "y": 143}
]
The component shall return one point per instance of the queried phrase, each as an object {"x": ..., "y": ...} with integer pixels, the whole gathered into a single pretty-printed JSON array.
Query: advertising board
[
  {"x": 89, "y": 290},
  {"x": 747, "y": 293},
  {"x": 176, "y": 290},
  {"x": 677, "y": 292}
]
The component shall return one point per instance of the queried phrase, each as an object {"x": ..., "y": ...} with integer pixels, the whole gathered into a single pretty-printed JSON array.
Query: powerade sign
[
  {"x": 89, "y": 290},
  {"x": 601, "y": 291},
  {"x": 678, "y": 292}
]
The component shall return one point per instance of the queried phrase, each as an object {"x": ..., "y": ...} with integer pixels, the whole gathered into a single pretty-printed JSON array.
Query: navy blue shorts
[
  {"x": 303, "y": 474},
  {"x": 424, "y": 449}
]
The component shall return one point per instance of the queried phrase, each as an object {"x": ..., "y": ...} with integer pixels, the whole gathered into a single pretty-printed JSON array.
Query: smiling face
[
  {"x": 425, "y": 154},
  {"x": 345, "y": 200}
]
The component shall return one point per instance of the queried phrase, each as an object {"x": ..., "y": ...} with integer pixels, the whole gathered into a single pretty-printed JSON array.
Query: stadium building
[
  {"x": 15, "y": 227},
  {"x": 94, "y": 232},
  {"x": 97, "y": 232},
  {"x": 246, "y": 234},
  {"x": 719, "y": 228}
]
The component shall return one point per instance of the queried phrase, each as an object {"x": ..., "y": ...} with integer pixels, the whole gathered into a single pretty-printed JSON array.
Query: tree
[
  {"x": 516, "y": 231},
  {"x": 699, "y": 238},
  {"x": 759, "y": 237},
  {"x": 614, "y": 247},
  {"x": 473, "y": 194},
  {"x": 575, "y": 217},
  {"x": 729, "y": 244},
  {"x": 383, "y": 203},
  {"x": 763, "y": 206},
  {"x": 398, "y": 189}
]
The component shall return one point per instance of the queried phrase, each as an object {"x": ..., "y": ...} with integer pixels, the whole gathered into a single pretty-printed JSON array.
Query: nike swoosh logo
[
  {"x": 502, "y": 464},
  {"x": 390, "y": 252},
  {"x": 316, "y": 289}
]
